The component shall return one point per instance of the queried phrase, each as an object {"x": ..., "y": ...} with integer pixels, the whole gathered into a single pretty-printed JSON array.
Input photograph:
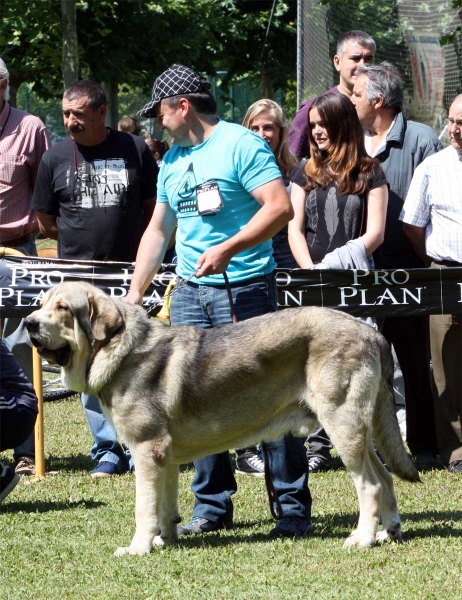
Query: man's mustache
[{"x": 76, "y": 128}]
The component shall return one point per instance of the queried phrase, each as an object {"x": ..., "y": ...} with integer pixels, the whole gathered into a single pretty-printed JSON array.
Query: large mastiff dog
[{"x": 178, "y": 393}]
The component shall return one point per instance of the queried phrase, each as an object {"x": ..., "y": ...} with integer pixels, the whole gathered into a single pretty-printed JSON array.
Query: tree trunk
[
  {"x": 14, "y": 86},
  {"x": 70, "y": 64},
  {"x": 266, "y": 85},
  {"x": 112, "y": 89}
]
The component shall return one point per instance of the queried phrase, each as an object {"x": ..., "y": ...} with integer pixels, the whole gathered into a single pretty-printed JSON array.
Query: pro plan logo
[{"x": 386, "y": 280}]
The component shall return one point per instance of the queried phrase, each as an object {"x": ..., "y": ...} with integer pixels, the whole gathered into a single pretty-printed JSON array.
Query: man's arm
[
  {"x": 47, "y": 225},
  {"x": 151, "y": 251},
  {"x": 275, "y": 212},
  {"x": 416, "y": 236}
]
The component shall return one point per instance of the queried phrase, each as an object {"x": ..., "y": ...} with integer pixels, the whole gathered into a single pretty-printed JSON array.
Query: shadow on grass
[
  {"x": 332, "y": 527},
  {"x": 44, "y": 507},
  {"x": 76, "y": 462}
]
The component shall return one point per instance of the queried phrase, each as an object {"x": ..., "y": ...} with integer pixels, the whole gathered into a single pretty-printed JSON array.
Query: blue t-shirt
[{"x": 240, "y": 161}]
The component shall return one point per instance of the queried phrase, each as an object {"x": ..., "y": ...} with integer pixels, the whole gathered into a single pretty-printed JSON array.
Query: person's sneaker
[
  {"x": 104, "y": 469},
  {"x": 200, "y": 525},
  {"x": 316, "y": 464},
  {"x": 24, "y": 465},
  {"x": 401, "y": 416},
  {"x": 250, "y": 464},
  {"x": 455, "y": 466},
  {"x": 292, "y": 527},
  {"x": 8, "y": 481},
  {"x": 425, "y": 461}
]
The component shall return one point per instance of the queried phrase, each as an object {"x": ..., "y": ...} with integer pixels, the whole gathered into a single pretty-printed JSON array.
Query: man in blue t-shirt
[{"x": 221, "y": 188}]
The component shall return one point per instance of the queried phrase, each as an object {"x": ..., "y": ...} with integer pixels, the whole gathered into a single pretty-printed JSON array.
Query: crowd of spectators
[{"x": 368, "y": 188}]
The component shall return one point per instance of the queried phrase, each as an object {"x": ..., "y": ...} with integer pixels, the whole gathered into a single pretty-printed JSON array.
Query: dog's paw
[
  {"x": 357, "y": 541},
  {"x": 162, "y": 540},
  {"x": 393, "y": 534},
  {"x": 129, "y": 550},
  {"x": 158, "y": 541}
]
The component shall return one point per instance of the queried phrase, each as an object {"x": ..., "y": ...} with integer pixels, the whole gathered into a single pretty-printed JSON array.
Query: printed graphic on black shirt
[{"x": 101, "y": 183}]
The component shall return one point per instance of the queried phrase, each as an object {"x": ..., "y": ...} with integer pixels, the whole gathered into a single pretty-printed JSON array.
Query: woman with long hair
[
  {"x": 340, "y": 199},
  {"x": 266, "y": 119},
  {"x": 340, "y": 194}
]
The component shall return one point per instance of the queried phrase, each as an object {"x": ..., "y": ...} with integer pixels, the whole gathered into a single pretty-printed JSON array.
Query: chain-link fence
[{"x": 407, "y": 33}]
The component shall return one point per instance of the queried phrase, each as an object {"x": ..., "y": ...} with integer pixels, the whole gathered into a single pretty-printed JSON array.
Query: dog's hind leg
[
  {"x": 353, "y": 449},
  {"x": 169, "y": 516},
  {"x": 369, "y": 493},
  {"x": 389, "y": 507},
  {"x": 150, "y": 483}
]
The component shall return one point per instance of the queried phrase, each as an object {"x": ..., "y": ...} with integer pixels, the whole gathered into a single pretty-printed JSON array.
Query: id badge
[{"x": 208, "y": 198}]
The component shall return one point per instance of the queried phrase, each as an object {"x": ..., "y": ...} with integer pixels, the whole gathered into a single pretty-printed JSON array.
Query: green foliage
[
  {"x": 453, "y": 37},
  {"x": 129, "y": 42},
  {"x": 31, "y": 50}
]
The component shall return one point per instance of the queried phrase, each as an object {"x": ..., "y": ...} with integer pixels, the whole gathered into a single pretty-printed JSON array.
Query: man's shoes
[
  {"x": 455, "y": 466},
  {"x": 250, "y": 464},
  {"x": 292, "y": 527},
  {"x": 8, "y": 481},
  {"x": 24, "y": 465},
  {"x": 401, "y": 416},
  {"x": 316, "y": 464},
  {"x": 104, "y": 469},
  {"x": 200, "y": 525},
  {"x": 425, "y": 461}
]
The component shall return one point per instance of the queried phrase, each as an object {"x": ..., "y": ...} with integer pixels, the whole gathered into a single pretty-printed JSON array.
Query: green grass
[{"x": 57, "y": 538}]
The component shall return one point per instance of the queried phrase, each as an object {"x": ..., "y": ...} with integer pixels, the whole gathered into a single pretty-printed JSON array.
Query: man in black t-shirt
[{"x": 95, "y": 193}]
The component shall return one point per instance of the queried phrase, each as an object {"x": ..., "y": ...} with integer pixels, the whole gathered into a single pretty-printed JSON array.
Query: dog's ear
[{"x": 105, "y": 316}]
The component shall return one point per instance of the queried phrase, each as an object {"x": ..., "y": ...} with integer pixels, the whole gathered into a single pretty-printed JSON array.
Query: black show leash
[{"x": 271, "y": 490}]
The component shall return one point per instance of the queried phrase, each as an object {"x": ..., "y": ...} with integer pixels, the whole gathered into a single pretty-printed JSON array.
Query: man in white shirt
[{"x": 432, "y": 216}]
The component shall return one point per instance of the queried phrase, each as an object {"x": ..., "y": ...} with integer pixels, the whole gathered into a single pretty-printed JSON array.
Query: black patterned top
[{"x": 332, "y": 218}]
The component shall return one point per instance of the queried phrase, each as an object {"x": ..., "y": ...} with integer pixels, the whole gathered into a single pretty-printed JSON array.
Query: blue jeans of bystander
[{"x": 106, "y": 448}]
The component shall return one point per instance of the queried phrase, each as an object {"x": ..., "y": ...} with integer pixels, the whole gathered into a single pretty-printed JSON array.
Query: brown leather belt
[{"x": 18, "y": 241}]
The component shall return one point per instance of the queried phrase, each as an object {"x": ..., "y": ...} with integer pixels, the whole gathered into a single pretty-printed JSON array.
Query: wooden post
[{"x": 39, "y": 439}]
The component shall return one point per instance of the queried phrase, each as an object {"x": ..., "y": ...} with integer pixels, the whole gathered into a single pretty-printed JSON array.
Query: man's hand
[
  {"x": 215, "y": 260},
  {"x": 133, "y": 297}
]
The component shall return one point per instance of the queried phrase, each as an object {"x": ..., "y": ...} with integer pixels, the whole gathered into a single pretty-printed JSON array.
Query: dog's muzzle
[{"x": 59, "y": 356}]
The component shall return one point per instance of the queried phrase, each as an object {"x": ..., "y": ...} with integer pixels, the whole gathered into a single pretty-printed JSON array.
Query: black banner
[{"x": 24, "y": 281}]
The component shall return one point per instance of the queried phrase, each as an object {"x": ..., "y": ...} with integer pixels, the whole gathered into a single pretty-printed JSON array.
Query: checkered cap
[{"x": 175, "y": 81}]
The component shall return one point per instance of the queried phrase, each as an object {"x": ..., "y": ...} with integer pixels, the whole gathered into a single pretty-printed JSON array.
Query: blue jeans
[
  {"x": 106, "y": 448},
  {"x": 214, "y": 482},
  {"x": 17, "y": 340}
]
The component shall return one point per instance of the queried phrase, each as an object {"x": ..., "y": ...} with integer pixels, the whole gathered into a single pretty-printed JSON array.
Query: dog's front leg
[
  {"x": 169, "y": 516},
  {"x": 150, "y": 479}
]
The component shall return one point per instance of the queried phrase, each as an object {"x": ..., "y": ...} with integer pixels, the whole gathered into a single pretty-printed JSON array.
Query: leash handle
[
  {"x": 230, "y": 298},
  {"x": 270, "y": 489},
  {"x": 273, "y": 497}
]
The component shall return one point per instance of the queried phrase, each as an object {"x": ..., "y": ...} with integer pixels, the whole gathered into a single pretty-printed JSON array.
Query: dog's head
[{"x": 75, "y": 320}]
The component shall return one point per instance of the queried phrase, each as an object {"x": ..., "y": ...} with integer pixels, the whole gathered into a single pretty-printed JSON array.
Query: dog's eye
[{"x": 62, "y": 307}]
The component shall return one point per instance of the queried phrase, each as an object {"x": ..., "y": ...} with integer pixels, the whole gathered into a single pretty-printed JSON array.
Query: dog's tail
[{"x": 387, "y": 435}]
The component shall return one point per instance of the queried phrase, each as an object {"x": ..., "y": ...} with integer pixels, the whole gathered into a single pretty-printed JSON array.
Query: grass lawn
[{"x": 57, "y": 538}]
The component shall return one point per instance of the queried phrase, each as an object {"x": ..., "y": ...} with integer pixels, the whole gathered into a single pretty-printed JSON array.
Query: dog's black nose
[{"x": 32, "y": 325}]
